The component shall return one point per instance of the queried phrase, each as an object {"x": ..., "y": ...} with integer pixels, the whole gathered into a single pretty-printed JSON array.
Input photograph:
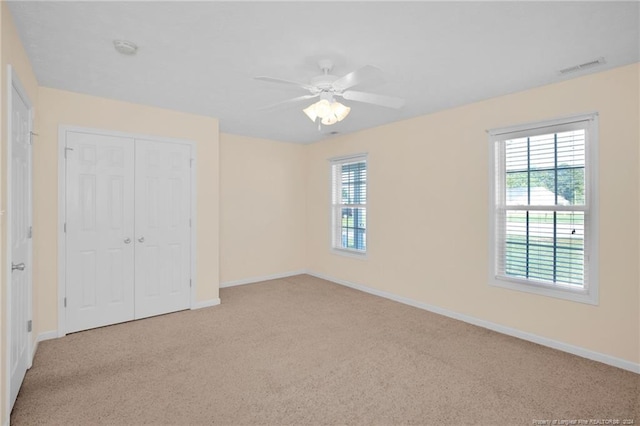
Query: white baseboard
[
  {"x": 47, "y": 335},
  {"x": 263, "y": 278},
  {"x": 206, "y": 303},
  {"x": 565, "y": 347}
]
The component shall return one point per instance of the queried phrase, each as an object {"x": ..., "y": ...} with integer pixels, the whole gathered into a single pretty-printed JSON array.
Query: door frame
[
  {"x": 14, "y": 82},
  {"x": 62, "y": 214}
]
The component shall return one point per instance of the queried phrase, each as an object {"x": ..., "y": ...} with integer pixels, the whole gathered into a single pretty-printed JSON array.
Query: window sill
[
  {"x": 589, "y": 297},
  {"x": 350, "y": 253}
]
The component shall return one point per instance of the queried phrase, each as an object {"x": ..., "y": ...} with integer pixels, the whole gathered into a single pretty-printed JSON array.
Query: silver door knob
[
  {"x": 19, "y": 267},
  {"x": 141, "y": 239},
  {"x": 127, "y": 240}
]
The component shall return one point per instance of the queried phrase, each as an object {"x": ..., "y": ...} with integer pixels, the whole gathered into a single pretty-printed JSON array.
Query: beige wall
[
  {"x": 262, "y": 208},
  {"x": 11, "y": 53},
  {"x": 65, "y": 108},
  {"x": 428, "y": 208}
]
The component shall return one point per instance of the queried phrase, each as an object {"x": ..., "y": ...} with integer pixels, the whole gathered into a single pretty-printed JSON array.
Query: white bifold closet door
[{"x": 128, "y": 205}]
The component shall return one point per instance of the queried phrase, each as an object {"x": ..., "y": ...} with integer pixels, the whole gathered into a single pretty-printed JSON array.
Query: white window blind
[
  {"x": 349, "y": 204},
  {"x": 544, "y": 210}
]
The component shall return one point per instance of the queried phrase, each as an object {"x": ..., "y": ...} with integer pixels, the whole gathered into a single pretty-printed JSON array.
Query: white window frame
[
  {"x": 497, "y": 137},
  {"x": 336, "y": 206}
]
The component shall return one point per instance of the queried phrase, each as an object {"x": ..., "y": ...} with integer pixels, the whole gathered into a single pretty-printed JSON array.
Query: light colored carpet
[{"x": 302, "y": 350}]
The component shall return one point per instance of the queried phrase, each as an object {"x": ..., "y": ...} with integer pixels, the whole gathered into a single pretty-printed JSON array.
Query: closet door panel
[
  {"x": 99, "y": 223},
  {"x": 162, "y": 223}
]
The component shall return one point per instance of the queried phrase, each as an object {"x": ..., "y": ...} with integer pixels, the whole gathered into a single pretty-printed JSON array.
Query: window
[
  {"x": 544, "y": 208},
  {"x": 349, "y": 204}
]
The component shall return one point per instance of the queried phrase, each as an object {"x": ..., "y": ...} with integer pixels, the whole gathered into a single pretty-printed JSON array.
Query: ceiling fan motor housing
[{"x": 324, "y": 82}]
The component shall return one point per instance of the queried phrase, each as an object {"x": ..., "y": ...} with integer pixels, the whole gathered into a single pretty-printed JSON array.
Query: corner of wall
[
  {"x": 268, "y": 177},
  {"x": 306, "y": 154}
]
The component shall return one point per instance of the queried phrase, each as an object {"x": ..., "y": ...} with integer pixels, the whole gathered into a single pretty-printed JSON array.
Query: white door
[
  {"x": 163, "y": 234},
  {"x": 99, "y": 230},
  {"x": 20, "y": 205}
]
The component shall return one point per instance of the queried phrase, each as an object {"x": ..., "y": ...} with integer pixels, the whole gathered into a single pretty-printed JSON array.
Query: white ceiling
[{"x": 200, "y": 57}]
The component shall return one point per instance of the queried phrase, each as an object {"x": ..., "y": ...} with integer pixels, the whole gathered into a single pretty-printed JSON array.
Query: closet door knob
[
  {"x": 141, "y": 239},
  {"x": 127, "y": 240}
]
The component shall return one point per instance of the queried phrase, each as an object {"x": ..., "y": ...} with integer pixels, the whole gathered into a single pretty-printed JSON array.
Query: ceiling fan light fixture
[
  {"x": 311, "y": 112},
  {"x": 339, "y": 110},
  {"x": 323, "y": 108},
  {"x": 328, "y": 112},
  {"x": 329, "y": 120}
]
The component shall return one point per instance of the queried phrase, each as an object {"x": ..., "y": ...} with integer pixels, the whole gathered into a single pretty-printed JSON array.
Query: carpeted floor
[{"x": 302, "y": 350}]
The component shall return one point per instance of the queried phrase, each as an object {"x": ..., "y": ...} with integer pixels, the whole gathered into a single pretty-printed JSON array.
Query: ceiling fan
[{"x": 327, "y": 87}]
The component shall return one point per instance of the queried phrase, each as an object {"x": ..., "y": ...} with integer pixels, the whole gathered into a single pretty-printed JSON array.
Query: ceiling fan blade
[
  {"x": 372, "y": 98},
  {"x": 366, "y": 73},
  {"x": 289, "y": 101},
  {"x": 282, "y": 81}
]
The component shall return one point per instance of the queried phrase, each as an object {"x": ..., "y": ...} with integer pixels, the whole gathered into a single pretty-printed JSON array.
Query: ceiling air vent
[{"x": 582, "y": 67}]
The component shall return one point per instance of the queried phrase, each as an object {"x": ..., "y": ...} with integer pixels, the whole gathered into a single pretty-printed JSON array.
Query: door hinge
[
  {"x": 31, "y": 135},
  {"x": 30, "y": 233},
  {"x": 65, "y": 227},
  {"x": 189, "y": 222},
  {"x": 190, "y": 162},
  {"x": 190, "y": 284},
  {"x": 66, "y": 150},
  {"x": 29, "y": 326},
  {"x": 65, "y": 302}
]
